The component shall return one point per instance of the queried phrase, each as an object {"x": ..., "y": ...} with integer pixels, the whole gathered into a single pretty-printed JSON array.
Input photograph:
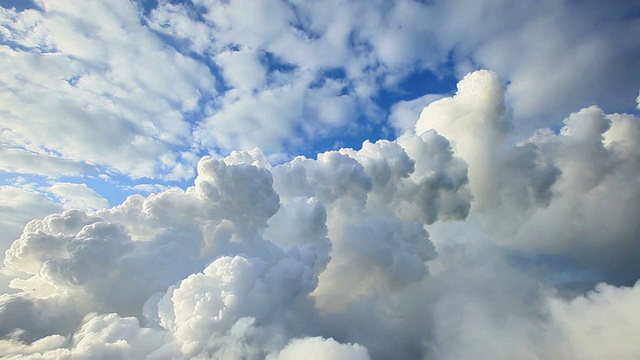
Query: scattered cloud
[
  {"x": 142, "y": 88},
  {"x": 85, "y": 98}
]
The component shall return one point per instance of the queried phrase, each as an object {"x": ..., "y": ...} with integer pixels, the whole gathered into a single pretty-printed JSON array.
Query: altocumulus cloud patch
[
  {"x": 402, "y": 249},
  {"x": 143, "y": 89}
]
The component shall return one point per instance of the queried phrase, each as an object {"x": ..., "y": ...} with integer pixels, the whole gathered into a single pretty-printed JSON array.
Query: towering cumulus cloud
[{"x": 459, "y": 240}]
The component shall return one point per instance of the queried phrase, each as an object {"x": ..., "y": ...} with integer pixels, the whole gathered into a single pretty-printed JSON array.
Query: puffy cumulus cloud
[
  {"x": 27, "y": 319},
  {"x": 458, "y": 240},
  {"x": 234, "y": 265},
  {"x": 478, "y": 123},
  {"x": 557, "y": 194},
  {"x": 18, "y": 206},
  {"x": 105, "y": 337},
  {"x": 403, "y": 114},
  {"x": 238, "y": 307},
  {"x": 588, "y": 322}
]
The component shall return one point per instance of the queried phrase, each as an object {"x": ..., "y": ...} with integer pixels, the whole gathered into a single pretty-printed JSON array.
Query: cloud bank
[{"x": 454, "y": 241}]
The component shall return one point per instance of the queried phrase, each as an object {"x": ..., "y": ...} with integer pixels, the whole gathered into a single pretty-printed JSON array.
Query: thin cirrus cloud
[{"x": 498, "y": 220}]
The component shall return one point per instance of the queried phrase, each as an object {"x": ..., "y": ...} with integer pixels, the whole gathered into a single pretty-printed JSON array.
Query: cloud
[
  {"x": 403, "y": 114},
  {"x": 374, "y": 48},
  {"x": 77, "y": 196},
  {"x": 85, "y": 99},
  {"x": 586, "y": 320},
  {"x": 477, "y": 232},
  {"x": 144, "y": 89},
  {"x": 18, "y": 206},
  {"x": 25, "y": 162},
  {"x": 146, "y": 188},
  {"x": 568, "y": 56},
  {"x": 228, "y": 267},
  {"x": 319, "y": 348},
  {"x": 438, "y": 244}
]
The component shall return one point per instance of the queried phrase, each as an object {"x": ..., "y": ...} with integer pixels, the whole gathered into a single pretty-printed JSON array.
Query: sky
[{"x": 344, "y": 179}]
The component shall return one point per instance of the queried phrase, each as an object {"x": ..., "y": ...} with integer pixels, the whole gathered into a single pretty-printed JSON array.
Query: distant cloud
[
  {"x": 26, "y": 162},
  {"x": 77, "y": 196},
  {"x": 105, "y": 92},
  {"x": 143, "y": 92},
  {"x": 146, "y": 188}
]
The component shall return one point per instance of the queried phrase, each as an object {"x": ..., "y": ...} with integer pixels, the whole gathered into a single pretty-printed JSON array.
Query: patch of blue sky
[
  {"x": 112, "y": 186},
  {"x": 18, "y": 4},
  {"x": 417, "y": 84},
  {"x": 19, "y": 179},
  {"x": 147, "y": 6},
  {"x": 274, "y": 64},
  {"x": 117, "y": 187},
  {"x": 558, "y": 270},
  {"x": 324, "y": 75}
]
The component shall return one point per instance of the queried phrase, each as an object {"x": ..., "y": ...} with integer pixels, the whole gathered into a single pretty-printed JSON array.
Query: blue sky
[{"x": 371, "y": 179}]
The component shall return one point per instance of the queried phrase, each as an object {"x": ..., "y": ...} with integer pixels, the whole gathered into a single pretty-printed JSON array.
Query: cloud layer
[
  {"x": 144, "y": 89},
  {"x": 452, "y": 242}
]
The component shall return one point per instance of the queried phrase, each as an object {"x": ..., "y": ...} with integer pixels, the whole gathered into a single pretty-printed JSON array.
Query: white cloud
[
  {"x": 422, "y": 247},
  {"x": 600, "y": 323},
  {"x": 26, "y": 162},
  {"x": 147, "y": 188},
  {"x": 106, "y": 92},
  {"x": 77, "y": 196},
  {"x": 242, "y": 69},
  {"x": 141, "y": 85},
  {"x": 319, "y": 348},
  {"x": 403, "y": 114},
  {"x": 18, "y": 206}
]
